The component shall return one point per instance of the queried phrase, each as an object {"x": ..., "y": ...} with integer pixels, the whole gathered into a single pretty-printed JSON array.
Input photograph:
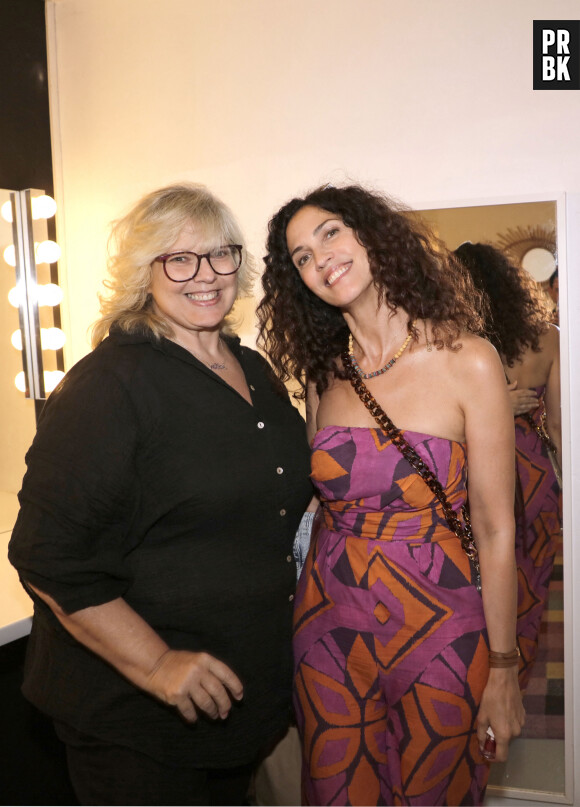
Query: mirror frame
[{"x": 568, "y": 246}]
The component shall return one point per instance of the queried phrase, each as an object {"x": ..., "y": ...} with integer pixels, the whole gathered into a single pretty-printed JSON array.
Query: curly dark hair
[
  {"x": 303, "y": 336},
  {"x": 517, "y": 314}
]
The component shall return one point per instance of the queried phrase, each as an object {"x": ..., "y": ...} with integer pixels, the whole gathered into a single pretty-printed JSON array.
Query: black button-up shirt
[{"x": 153, "y": 480}]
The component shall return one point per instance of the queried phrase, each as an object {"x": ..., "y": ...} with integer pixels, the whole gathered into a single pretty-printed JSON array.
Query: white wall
[
  {"x": 430, "y": 100},
  {"x": 260, "y": 99}
]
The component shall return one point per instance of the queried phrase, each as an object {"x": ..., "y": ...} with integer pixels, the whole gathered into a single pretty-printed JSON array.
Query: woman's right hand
[
  {"x": 195, "y": 681},
  {"x": 189, "y": 681},
  {"x": 522, "y": 400}
]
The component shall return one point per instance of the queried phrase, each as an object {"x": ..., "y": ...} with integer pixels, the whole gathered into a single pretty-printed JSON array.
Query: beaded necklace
[{"x": 387, "y": 366}]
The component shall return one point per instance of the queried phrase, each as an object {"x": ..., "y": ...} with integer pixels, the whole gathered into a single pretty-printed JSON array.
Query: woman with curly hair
[
  {"x": 518, "y": 325},
  {"x": 404, "y": 670}
]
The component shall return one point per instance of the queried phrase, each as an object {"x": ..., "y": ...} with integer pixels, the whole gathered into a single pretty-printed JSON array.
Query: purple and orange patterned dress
[
  {"x": 390, "y": 642},
  {"x": 537, "y": 540}
]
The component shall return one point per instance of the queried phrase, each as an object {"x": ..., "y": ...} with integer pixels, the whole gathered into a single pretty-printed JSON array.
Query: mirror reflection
[{"x": 526, "y": 234}]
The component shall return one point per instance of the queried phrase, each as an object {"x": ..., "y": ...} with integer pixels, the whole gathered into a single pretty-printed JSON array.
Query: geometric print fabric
[
  {"x": 390, "y": 643},
  {"x": 537, "y": 539}
]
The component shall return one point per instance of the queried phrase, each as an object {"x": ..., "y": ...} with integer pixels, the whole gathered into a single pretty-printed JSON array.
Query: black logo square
[{"x": 556, "y": 54}]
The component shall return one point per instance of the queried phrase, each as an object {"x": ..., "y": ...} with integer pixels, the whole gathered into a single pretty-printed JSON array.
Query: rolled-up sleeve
[{"x": 80, "y": 493}]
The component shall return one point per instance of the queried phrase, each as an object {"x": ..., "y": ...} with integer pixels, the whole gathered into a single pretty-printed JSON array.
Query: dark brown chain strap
[
  {"x": 540, "y": 429},
  {"x": 462, "y": 531}
]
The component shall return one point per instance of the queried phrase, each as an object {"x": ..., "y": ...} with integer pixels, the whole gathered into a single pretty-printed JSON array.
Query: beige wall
[
  {"x": 490, "y": 224},
  {"x": 430, "y": 100}
]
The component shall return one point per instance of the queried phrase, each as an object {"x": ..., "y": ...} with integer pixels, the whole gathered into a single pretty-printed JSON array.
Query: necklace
[
  {"x": 427, "y": 340},
  {"x": 387, "y": 366},
  {"x": 215, "y": 366}
]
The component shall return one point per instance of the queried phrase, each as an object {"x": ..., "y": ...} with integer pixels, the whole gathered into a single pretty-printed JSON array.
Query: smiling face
[
  {"x": 330, "y": 259},
  {"x": 200, "y": 304}
]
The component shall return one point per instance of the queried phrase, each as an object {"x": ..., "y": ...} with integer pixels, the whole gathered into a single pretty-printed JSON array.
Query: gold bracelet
[{"x": 510, "y": 659}]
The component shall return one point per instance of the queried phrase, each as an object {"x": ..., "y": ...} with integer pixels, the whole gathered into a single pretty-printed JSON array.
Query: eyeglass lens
[{"x": 181, "y": 266}]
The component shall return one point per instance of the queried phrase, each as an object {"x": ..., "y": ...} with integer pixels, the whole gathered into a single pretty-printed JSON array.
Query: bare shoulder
[
  {"x": 311, "y": 406},
  {"x": 311, "y": 393},
  {"x": 550, "y": 339},
  {"x": 481, "y": 389},
  {"x": 477, "y": 358}
]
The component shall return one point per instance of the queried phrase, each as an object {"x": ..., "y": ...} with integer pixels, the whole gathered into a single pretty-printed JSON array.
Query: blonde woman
[{"x": 163, "y": 491}]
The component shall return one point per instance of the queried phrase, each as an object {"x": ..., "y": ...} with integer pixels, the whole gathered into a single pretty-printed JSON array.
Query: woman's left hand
[
  {"x": 501, "y": 709},
  {"x": 522, "y": 400}
]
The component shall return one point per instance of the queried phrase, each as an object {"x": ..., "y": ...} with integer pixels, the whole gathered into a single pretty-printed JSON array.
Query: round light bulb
[
  {"x": 52, "y": 338},
  {"x": 20, "y": 382},
  {"x": 14, "y": 297},
  {"x": 51, "y": 379},
  {"x": 6, "y": 211},
  {"x": 43, "y": 207},
  {"x": 49, "y": 294},
  {"x": 47, "y": 252},
  {"x": 10, "y": 255},
  {"x": 16, "y": 339}
]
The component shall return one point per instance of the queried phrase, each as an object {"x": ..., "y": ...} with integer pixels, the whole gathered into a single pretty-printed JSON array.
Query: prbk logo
[{"x": 556, "y": 54}]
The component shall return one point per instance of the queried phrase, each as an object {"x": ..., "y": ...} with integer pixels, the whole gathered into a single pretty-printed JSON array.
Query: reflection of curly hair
[
  {"x": 517, "y": 315},
  {"x": 303, "y": 335}
]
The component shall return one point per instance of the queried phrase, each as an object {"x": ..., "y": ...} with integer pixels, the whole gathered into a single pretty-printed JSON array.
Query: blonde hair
[{"x": 148, "y": 230}]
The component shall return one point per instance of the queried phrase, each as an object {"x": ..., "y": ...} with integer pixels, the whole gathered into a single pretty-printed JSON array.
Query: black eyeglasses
[{"x": 183, "y": 266}]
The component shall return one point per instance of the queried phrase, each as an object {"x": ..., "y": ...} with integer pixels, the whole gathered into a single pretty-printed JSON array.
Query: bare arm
[
  {"x": 552, "y": 394},
  {"x": 186, "y": 680},
  {"x": 312, "y": 401},
  {"x": 489, "y": 430}
]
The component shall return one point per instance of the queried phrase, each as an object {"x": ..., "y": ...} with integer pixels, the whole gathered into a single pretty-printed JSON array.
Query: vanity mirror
[
  {"x": 30, "y": 344},
  {"x": 17, "y": 420},
  {"x": 540, "y": 764}
]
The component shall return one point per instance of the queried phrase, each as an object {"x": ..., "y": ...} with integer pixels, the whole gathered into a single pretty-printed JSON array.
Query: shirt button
[
  {"x": 279, "y": 470},
  {"x": 260, "y": 424},
  {"x": 282, "y": 512},
  {"x": 252, "y": 387},
  {"x": 290, "y": 598},
  {"x": 289, "y": 558}
]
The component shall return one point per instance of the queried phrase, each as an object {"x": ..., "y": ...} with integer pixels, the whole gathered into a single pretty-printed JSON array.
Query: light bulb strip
[{"x": 27, "y": 285}]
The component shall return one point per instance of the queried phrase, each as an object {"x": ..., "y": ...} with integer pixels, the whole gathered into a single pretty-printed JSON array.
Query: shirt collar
[
  {"x": 170, "y": 348},
  {"x": 121, "y": 337}
]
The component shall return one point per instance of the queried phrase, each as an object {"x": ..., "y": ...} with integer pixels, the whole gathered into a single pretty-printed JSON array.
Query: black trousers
[{"x": 103, "y": 774}]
